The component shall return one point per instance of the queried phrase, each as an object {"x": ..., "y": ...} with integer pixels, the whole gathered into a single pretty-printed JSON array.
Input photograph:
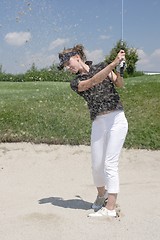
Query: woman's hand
[
  {"x": 100, "y": 76},
  {"x": 120, "y": 56},
  {"x": 117, "y": 78}
]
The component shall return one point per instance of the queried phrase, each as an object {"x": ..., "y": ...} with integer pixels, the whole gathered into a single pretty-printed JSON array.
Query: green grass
[
  {"x": 50, "y": 112},
  {"x": 141, "y": 101}
]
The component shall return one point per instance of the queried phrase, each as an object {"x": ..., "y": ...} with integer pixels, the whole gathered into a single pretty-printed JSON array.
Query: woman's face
[{"x": 73, "y": 65}]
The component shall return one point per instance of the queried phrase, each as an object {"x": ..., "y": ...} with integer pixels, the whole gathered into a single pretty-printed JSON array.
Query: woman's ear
[{"x": 78, "y": 57}]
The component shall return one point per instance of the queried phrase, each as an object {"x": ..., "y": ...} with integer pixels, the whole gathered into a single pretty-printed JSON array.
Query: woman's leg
[
  {"x": 101, "y": 191},
  {"x": 112, "y": 142},
  {"x": 116, "y": 137},
  {"x": 98, "y": 154},
  {"x": 98, "y": 138}
]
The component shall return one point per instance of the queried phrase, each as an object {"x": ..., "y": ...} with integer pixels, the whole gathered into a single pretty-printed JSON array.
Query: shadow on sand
[{"x": 77, "y": 203}]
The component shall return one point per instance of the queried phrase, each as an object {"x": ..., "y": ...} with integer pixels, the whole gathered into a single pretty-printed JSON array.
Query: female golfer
[{"x": 96, "y": 84}]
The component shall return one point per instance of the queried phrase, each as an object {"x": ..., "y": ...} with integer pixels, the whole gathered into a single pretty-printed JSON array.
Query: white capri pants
[{"x": 107, "y": 139}]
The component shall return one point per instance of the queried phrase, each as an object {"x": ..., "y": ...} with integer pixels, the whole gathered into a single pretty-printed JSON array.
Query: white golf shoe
[{"x": 103, "y": 212}]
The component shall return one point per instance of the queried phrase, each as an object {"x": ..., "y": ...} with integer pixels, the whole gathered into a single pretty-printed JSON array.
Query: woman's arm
[
  {"x": 100, "y": 76},
  {"x": 116, "y": 79}
]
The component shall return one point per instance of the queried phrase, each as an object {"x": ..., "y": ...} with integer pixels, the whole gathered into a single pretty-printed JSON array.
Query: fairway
[{"x": 50, "y": 112}]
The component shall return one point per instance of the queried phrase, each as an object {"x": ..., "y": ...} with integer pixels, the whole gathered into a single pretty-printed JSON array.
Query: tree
[
  {"x": 131, "y": 56},
  {"x": 33, "y": 68},
  {"x": 1, "y": 68}
]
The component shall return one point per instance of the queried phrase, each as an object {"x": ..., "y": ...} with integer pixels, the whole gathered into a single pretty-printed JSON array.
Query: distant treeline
[
  {"x": 46, "y": 74},
  {"x": 34, "y": 74}
]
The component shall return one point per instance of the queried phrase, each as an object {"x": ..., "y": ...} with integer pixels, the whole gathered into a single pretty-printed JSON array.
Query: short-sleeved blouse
[{"x": 102, "y": 97}]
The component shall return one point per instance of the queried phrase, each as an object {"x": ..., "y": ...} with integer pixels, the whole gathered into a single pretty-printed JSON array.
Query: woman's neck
[{"x": 84, "y": 68}]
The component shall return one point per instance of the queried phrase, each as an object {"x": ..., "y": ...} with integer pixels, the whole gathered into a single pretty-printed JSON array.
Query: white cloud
[
  {"x": 104, "y": 37},
  {"x": 58, "y": 43},
  {"x": 96, "y": 56},
  {"x": 143, "y": 57},
  {"x": 141, "y": 53},
  {"x": 156, "y": 53},
  {"x": 149, "y": 62},
  {"x": 41, "y": 60},
  {"x": 17, "y": 38}
]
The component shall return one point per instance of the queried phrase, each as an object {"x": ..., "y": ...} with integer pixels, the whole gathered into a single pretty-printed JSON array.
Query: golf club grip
[{"x": 122, "y": 71}]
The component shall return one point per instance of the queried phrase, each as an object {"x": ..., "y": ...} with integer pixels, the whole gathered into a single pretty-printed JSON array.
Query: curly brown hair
[{"x": 79, "y": 48}]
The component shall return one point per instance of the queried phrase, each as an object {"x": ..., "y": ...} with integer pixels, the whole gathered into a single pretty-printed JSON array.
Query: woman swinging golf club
[{"x": 96, "y": 84}]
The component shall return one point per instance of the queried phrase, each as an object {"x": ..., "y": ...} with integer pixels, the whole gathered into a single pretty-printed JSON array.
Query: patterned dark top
[{"x": 100, "y": 98}]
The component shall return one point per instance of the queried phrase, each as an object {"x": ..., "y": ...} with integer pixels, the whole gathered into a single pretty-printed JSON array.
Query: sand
[{"x": 46, "y": 193}]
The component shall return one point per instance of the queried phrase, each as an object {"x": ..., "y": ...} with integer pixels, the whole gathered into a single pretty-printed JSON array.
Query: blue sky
[{"x": 35, "y": 31}]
